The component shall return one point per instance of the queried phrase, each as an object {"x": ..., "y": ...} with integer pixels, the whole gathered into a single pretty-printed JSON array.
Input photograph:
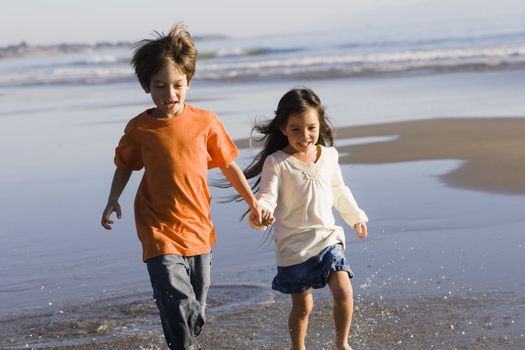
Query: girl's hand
[
  {"x": 267, "y": 217},
  {"x": 112, "y": 206},
  {"x": 361, "y": 230},
  {"x": 255, "y": 225},
  {"x": 260, "y": 221},
  {"x": 261, "y": 216}
]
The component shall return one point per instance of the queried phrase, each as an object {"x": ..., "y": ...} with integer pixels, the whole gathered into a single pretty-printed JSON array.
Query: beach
[
  {"x": 491, "y": 154},
  {"x": 493, "y": 149},
  {"x": 457, "y": 323},
  {"x": 411, "y": 291},
  {"x": 436, "y": 157}
]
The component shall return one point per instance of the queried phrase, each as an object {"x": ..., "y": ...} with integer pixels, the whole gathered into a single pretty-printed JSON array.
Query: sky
[{"x": 72, "y": 21}]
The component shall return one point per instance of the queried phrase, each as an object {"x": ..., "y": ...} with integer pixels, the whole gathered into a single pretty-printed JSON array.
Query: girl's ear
[{"x": 284, "y": 132}]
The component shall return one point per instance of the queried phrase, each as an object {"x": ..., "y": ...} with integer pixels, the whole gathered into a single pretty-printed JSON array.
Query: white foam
[{"x": 364, "y": 140}]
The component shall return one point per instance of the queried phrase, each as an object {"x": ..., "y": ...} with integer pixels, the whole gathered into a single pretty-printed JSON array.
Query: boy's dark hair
[{"x": 152, "y": 54}]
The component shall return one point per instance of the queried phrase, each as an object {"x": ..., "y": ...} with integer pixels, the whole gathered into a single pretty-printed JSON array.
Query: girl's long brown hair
[{"x": 295, "y": 101}]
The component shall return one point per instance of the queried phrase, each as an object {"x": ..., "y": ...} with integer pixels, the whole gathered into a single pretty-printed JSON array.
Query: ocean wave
[
  {"x": 66, "y": 75},
  {"x": 100, "y": 60},
  {"x": 247, "y": 52},
  {"x": 346, "y": 65},
  {"x": 457, "y": 41},
  {"x": 231, "y": 66}
]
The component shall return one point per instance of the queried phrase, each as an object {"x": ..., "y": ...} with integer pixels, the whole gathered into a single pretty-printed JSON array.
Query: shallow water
[
  {"x": 417, "y": 286},
  {"x": 115, "y": 318},
  {"x": 453, "y": 256},
  {"x": 475, "y": 320}
]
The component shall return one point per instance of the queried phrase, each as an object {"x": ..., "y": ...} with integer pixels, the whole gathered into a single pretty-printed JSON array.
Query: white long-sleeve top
[{"x": 301, "y": 197}]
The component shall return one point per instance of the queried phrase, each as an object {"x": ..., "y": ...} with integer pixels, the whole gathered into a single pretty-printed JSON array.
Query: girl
[{"x": 300, "y": 181}]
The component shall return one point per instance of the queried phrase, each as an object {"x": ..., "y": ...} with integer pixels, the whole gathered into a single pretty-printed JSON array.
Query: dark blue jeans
[{"x": 180, "y": 287}]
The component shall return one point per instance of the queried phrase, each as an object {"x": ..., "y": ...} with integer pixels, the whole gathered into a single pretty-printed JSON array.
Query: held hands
[
  {"x": 112, "y": 206},
  {"x": 260, "y": 218},
  {"x": 361, "y": 229}
]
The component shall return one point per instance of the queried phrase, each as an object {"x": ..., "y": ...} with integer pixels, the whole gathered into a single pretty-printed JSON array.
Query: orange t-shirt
[{"x": 172, "y": 205}]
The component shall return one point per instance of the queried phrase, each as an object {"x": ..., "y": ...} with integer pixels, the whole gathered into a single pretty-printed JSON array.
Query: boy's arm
[
  {"x": 120, "y": 180},
  {"x": 236, "y": 177}
]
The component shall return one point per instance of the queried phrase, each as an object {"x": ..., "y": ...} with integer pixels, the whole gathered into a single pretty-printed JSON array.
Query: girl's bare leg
[
  {"x": 302, "y": 305},
  {"x": 342, "y": 293}
]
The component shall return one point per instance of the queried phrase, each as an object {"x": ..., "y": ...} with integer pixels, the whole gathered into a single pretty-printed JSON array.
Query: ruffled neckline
[{"x": 310, "y": 170}]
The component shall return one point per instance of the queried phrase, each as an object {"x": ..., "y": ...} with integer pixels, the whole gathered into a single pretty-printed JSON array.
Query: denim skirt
[{"x": 312, "y": 273}]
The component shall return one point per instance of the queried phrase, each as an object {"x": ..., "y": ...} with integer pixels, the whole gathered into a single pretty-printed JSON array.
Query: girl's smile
[{"x": 302, "y": 131}]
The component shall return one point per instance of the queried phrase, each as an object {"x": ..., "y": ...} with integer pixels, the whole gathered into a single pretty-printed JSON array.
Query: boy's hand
[
  {"x": 261, "y": 216},
  {"x": 112, "y": 206},
  {"x": 361, "y": 230},
  {"x": 266, "y": 219},
  {"x": 255, "y": 225}
]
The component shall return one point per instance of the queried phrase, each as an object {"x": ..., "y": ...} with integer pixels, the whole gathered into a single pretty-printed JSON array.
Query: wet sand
[
  {"x": 390, "y": 317},
  {"x": 460, "y": 323},
  {"x": 423, "y": 323},
  {"x": 493, "y": 149}
]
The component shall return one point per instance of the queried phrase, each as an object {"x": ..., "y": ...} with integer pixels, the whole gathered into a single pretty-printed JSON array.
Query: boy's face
[{"x": 168, "y": 89}]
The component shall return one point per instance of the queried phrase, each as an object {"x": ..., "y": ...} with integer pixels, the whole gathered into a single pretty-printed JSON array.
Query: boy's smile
[{"x": 168, "y": 88}]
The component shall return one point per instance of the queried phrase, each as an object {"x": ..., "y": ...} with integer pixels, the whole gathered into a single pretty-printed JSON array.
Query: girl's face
[
  {"x": 168, "y": 89},
  {"x": 302, "y": 130}
]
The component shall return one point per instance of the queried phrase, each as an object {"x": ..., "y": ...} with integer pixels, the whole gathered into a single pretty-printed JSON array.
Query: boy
[{"x": 176, "y": 143}]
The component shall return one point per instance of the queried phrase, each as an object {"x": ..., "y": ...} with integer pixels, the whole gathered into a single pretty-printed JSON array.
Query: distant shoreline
[{"x": 24, "y": 49}]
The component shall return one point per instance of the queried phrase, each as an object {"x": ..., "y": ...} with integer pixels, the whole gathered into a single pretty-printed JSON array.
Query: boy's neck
[{"x": 157, "y": 113}]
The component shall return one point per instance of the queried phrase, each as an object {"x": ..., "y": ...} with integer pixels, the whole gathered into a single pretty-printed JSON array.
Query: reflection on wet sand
[
  {"x": 493, "y": 149},
  {"x": 477, "y": 321}
]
